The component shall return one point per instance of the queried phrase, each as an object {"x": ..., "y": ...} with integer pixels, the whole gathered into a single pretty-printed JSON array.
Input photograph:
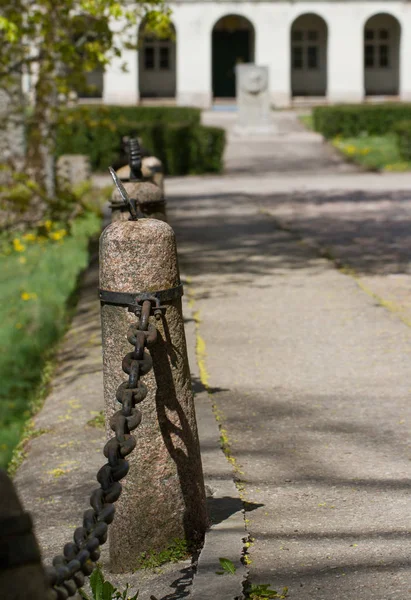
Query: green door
[{"x": 229, "y": 48}]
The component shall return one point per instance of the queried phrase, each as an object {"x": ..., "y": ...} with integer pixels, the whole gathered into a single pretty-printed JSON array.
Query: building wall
[{"x": 272, "y": 23}]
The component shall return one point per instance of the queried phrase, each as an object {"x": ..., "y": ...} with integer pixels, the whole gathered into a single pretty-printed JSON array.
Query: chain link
[{"x": 68, "y": 571}]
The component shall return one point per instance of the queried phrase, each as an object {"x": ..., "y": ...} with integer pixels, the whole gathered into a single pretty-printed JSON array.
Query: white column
[
  {"x": 272, "y": 48},
  {"x": 193, "y": 56},
  {"x": 122, "y": 87},
  {"x": 345, "y": 55},
  {"x": 405, "y": 55}
]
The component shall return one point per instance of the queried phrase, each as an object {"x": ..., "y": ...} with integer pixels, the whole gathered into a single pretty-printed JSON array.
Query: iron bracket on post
[
  {"x": 135, "y": 301},
  {"x": 130, "y": 203}
]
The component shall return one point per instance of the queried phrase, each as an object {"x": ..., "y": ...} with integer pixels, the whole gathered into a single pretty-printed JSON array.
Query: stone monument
[{"x": 253, "y": 101}]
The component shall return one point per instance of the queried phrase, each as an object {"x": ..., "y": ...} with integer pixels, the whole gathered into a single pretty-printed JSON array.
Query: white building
[{"x": 336, "y": 51}]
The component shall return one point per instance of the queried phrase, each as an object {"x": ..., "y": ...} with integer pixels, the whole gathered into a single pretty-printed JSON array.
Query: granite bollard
[
  {"x": 151, "y": 168},
  {"x": 163, "y": 495},
  {"x": 149, "y": 197}
]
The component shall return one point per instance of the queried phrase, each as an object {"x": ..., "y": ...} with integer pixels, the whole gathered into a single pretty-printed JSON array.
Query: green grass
[
  {"x": 38, "y": 276},
  {"x": 177, "y": 550},
  {"x": 307, "y": 120},
  {"x": 373, "y": 152}
]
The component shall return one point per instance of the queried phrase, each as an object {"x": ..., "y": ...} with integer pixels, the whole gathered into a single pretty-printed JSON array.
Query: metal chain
[{"x": 68, "y": 572}]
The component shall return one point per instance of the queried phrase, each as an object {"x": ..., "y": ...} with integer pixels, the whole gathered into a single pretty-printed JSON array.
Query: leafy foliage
[
  {"x": 104, "y": 590},
  {"x": 59, "y": 43}
]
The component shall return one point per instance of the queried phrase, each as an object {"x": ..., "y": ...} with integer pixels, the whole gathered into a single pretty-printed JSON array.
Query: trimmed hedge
[
  {"x": 403, "y": 131},
  {"x": 351, "y": 120},
  {"x": 146, "y": 114},
  {"x": 174, "y": 135}
]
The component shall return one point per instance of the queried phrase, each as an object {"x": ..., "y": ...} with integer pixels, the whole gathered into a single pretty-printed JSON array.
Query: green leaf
[
  {"x": 108, "y": 591},
  {"x": 96, "y": 583},
  {"x": 259, "y": 591},
  {"x": 227, "y": 565}
]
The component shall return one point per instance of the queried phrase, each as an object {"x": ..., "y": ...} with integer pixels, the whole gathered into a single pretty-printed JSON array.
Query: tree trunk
[{"x": 42, "y": 139}]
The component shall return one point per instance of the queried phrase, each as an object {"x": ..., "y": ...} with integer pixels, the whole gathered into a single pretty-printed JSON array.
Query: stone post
[
  {"x": 21, "y": 572},
  {"x": 137, "y": 176},
  {"x": 150, "y": 201},
  {"x": 163, "y": 495},
  {"x": 151, "y": 168}
]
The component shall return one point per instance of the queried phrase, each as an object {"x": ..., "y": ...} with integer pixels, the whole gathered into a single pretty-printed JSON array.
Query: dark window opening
[
  {"x": 384, "y": 35},
  {"x": 313, "y": 36},
  {"x": 312, "y": 57},
  {"x": 369, "y": 56},
  {"x": 297, "y": 57},
  {"x": 164, "y": 58},
  {"x": 149, "y": 57},
  {"x": 369, "y": 34},
  {"x": 384, "y": 56},
  {"x": 297, "y": 36}
]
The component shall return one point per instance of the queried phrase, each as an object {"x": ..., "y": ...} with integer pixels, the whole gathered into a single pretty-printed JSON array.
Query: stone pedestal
[{"x": 253, "y": 101}]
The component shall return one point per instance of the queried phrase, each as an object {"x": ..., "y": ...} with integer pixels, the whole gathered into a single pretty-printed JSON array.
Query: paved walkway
[
  {"x": 311, "y": 373},
  {"x": 307, "y": 369}
]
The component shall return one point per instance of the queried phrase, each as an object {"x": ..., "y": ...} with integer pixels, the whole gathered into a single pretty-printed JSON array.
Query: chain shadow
[
  {"x": 177, "y": 433},
  {"x": 182, "y": 585}
]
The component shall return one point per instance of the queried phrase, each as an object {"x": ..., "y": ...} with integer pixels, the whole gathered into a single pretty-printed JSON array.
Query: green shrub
[
  {"x": 403, "y": 131},
  {"x": 354, "y": 120},
  {"x": 143, "y": 114},
  {"x": 183, "y": 146},
  {"x": 208, "y": 149}
]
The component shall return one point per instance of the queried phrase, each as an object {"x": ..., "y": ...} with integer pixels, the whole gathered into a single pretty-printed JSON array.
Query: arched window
[
  {"x": 309, "y": 56},
  {"x": 382, "y": 56},
  {"x": 157, "y": 64}
]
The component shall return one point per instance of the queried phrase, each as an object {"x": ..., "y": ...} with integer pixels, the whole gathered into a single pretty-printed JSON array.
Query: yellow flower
[
  {"x": 18, "y": 246},
  {"x": 58, "y": 235},
  {"x": 27, "y": 296},
  {"x": 350, "y": 149},
  {"x": 48, "y": 224},
  {"x": 22, "y": 260},
  {"x": 365, "y": 151},
  {"x": 29, "y": 237},
  {"x": 19, "y": 325}
]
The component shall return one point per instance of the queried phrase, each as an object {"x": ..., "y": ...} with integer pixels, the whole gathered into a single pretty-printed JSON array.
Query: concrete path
[
  {"x": 310, "y": 373},
  {"x": 306, "y": 368}
]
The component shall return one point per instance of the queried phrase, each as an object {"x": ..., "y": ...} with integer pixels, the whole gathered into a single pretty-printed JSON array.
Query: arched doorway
[
  {"x": 232, "y": 43},
  {"x": 309, "y": 56},
  {"x": 382, "y": 34},
  {"x": 156, "y": 64}
]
